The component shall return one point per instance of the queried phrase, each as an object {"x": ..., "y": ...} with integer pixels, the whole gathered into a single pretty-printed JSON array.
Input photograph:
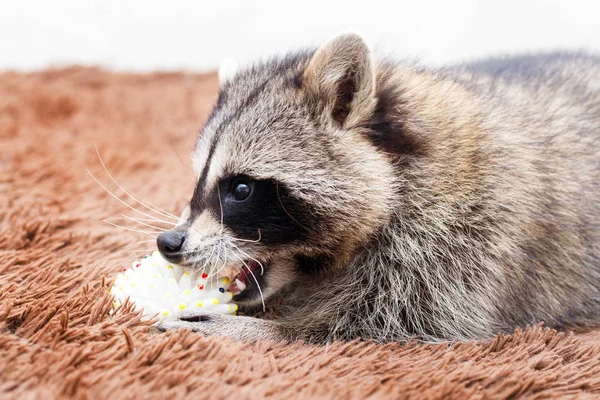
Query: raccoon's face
[{"x": 288, "y": 183}]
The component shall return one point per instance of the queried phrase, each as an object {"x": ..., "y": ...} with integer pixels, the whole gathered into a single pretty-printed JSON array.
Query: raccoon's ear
[{"x": 341, "y": 76}]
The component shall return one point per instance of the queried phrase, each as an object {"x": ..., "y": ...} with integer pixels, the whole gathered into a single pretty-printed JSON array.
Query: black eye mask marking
[
  {"x": 308, "y": 265},
  {"x": 280, "y": 217}
]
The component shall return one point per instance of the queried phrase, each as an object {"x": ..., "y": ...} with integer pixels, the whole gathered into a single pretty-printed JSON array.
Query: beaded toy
[{"x": 166, "y": 290}]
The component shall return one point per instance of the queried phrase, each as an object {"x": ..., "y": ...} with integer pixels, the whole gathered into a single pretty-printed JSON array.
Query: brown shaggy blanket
[{"x": 57, "y": 259}]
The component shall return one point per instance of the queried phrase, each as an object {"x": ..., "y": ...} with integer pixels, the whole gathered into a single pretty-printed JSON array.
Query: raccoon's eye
[{"x": 241, "y": 191}]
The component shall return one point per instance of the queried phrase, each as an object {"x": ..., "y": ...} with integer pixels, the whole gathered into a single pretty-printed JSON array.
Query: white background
[{"x": 196, "y": 35}]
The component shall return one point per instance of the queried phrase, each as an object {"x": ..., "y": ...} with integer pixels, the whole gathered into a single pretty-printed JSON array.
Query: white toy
[{"x": 166, "y": 290}]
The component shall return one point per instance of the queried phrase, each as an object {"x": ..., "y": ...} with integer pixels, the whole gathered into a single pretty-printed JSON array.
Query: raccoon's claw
[
  {"x": 197, "y": 322},
  {"x": 198, "y": 317}
]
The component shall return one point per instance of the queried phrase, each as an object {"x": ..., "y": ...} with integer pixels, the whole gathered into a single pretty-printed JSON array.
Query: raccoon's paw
[
  {"x": 236, "y": 327},
  {"x": 204, "y": 322}
]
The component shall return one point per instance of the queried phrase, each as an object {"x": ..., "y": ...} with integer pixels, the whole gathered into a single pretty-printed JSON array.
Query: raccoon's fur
[{"x": 391, "y": 202}]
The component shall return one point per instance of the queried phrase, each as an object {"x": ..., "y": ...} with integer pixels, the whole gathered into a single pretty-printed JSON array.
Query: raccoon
[{"x": 380, "y": 200}]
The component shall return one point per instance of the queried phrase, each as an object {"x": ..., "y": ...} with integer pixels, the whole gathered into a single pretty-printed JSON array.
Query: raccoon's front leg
[{"x": 236, "y": 327}]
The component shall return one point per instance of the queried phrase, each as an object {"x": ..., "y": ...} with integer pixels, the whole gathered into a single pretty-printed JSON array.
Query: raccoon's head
[{"x": 290, "y": 183}]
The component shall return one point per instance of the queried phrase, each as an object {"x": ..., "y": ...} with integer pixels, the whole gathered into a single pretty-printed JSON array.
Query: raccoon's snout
[{"x": 170, "y": 244}]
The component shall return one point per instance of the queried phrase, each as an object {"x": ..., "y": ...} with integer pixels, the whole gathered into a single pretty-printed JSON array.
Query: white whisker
[
  {"x": 220, "y": 207},
  {"x": 143, "y": 241},
  {"x": 247, "y": 240},
  {"x": 115, "y": 196},
  {"x": 225, "y": 261},
  {"x": 262, "y": 298},
  {"x": 153, "y": 219},
  {"x": 209, "y": 259},
  {"x": 145, "y": 224},
  {"x": 146, "y": 251},
  {"x": 151, "y": 233},
  {"x": 149, "y": 220},
  {"x": 154, "y": 209},
  {"x": 262, "y": 268},
  {"x": 212, "y": 266}
]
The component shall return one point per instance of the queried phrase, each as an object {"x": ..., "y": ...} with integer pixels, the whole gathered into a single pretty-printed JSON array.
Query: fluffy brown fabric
[{"x": 57, "y": 337}]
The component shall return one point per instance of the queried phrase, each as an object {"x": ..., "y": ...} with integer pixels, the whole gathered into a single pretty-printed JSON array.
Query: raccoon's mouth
[{"x": 245, "y": 278}]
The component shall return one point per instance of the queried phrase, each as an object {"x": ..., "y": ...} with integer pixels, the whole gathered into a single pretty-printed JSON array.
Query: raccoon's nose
[{"x": 170, "y": 244}]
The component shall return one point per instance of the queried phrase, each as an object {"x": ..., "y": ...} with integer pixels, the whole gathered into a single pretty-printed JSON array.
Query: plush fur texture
[
  {"x": 58, "y": 338},
  {"x": 436, "y": 204}
]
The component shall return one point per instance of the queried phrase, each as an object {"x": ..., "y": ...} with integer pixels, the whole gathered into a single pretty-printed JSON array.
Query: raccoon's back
[
  {"x": 542, "y": 116},
  {"x": 544, "y": 109},
  {"x": 529, "y": 68}
]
